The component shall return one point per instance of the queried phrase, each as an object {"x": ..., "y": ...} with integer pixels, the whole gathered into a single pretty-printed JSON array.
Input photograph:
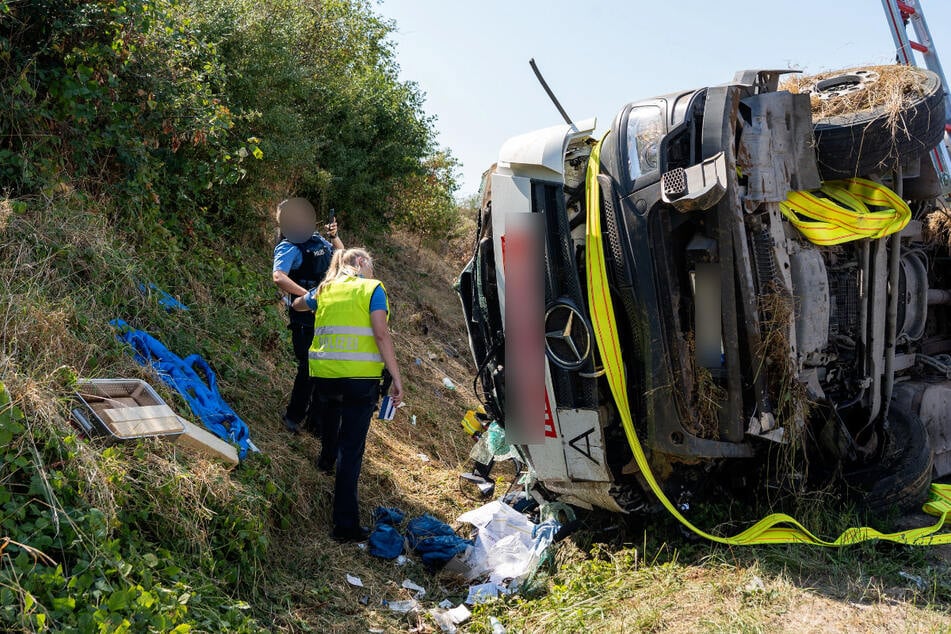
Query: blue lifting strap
[{"x": 185, "y": 377}]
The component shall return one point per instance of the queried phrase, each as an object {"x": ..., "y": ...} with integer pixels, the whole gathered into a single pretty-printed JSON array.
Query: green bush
[
  {"x": 201, "y": 115},
  {"x": 64, "y": 568}
]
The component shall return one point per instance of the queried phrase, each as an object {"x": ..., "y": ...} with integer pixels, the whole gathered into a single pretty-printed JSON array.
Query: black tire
[
  {"x": 859, "y": 143},
  {"x": 901, "y": 478}
]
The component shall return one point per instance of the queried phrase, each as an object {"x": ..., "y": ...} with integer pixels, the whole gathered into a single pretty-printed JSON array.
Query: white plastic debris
[
  {"x": 423, "y": 457},
  {"x": 401, "y": 560},
  {"x": 412, "y": 419},
  {"x": 754, "y": 586},
  {"x": 448, "y": 384},
  {"x": 482, "y": 593},
  {"x": 445, "y": 604},
  {"x": 918, "y": 581},
  {"x": 508, "y": 544},
  {"x": 403, "y": 607},
  {"x": 443, "y": 620},
  {"x": 354, "y": 581},
  {"x": 460, "y": 614},
  {"x": 420, "y": 591},
  {"x": 497, "y": 627}
]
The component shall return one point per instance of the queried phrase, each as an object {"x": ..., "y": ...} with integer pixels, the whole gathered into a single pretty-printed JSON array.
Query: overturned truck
[{"x": 777, "y": 265}]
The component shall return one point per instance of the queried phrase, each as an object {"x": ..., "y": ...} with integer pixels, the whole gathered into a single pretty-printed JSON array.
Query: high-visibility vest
[{"x": 343, "y": 345}]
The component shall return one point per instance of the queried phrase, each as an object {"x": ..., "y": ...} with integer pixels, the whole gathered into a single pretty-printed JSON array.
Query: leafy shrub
[{"x": 202, "y": 115}]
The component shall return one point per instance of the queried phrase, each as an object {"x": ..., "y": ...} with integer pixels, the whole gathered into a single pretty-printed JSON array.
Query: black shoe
[
  {"x": 290, "y": 425},
  {"x": 325, "y": 467},
  {"x": 350, "y": 534}
]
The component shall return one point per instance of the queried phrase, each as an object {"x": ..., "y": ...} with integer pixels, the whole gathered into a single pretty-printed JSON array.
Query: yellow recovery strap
[
  {"x": 776, "y": 528},
  {"x": 841, "y": 213}
]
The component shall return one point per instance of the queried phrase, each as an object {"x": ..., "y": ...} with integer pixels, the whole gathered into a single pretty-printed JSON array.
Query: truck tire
[
  {"x": 901, "y": 478},
  {"x": 858, "y": 143}
]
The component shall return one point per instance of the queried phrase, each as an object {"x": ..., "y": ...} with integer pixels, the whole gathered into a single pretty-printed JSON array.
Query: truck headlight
[{"x": 645, "y": 128}]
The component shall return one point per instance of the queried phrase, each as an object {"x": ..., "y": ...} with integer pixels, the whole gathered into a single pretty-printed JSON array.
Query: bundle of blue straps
[
  {"x": 185, "y": 377},
  {"x": 434, "y": 541}
]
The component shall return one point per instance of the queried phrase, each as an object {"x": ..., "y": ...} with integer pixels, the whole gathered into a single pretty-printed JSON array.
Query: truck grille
[{"x": 844, "y": 302}]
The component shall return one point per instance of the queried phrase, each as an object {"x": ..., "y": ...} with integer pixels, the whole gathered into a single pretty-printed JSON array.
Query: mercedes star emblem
[{"x": 567, "y": 336}]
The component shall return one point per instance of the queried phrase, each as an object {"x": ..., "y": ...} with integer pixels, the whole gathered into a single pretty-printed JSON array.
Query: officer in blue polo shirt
[{"x": 301, "y": 259}]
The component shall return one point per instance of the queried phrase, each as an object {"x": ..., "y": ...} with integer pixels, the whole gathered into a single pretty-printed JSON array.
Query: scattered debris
[
  {"x": 401, "y": 560},
  {"x": 365, "y": 599},
  {"x": 403, "y": 607},
  {"x": 447, "y": 619},
  {"x": 497, "y": 627},
  {"x": 508, "y": 544},
  {"x": 918, "y": 581},
  {"x": 434, "y": 540},
  {"x": 484, "y": 486},
  {"x": 443, "y": 620},
  {"x": 448, "y": 384},
  {"x": 492, "y": 446},
  {"x": 423, "y": 457},
  {"x": 165, "y": 300},
  {"x": 482, "y": 593},
  {"x": 412, "y": 419},
  {"x": 419, "y": 591},
  {"x": 460, "y": 614},
  {"x": 354, "y": 580},
  {"x": 755, "y": 586}
]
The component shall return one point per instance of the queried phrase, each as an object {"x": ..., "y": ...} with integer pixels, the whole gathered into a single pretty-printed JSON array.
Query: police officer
[
  {"x": 351, "y": 347},
  {"x": 301, "y": 259}
]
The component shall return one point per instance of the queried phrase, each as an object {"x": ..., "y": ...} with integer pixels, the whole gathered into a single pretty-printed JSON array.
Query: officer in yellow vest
[{"x": 351, "y": 346}]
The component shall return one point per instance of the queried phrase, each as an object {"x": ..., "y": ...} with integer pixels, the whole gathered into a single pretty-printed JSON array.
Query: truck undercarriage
[{"x": 744, "y": 328}]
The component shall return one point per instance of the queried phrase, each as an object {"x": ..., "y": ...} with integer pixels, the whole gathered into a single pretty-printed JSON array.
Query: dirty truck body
[{"x": 741, "y": 339}]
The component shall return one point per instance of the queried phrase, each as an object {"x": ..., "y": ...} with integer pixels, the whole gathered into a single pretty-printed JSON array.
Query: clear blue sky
[{"x": 471, "y": 57}]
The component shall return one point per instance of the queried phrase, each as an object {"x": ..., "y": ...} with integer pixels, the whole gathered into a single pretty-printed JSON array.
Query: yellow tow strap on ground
[
  {"x": 840, "y": 211},
  {"x": 777, "y": 528}
]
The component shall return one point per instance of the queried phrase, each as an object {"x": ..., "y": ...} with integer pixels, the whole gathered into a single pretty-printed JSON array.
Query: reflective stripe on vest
[
  {"x": 776, "y": 528},
  {"x": 344, "y": 345}
]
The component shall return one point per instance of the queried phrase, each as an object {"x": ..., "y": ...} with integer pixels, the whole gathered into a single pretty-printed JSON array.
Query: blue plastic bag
[
  {"x": 435, "y": 541},
  {"x": 385, "y": 542},
  {"x": 387, "y": 515}
]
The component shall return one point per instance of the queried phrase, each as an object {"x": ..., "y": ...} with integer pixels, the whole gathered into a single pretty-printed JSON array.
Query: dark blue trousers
[
  {"x": 346, "y": 408},
  {"x": 302, "y": 407}
]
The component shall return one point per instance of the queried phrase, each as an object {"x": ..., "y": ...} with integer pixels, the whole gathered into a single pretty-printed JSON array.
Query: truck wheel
[
  {"x": 857, "y": 143},
  {"x": 901, "y": 478}
]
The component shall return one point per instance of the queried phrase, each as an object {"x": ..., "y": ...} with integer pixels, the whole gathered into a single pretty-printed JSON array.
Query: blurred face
[{"x": 298, "y": 219}]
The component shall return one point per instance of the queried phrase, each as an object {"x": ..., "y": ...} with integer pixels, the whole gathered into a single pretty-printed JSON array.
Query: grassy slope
[{"x": 66, "y": 271}]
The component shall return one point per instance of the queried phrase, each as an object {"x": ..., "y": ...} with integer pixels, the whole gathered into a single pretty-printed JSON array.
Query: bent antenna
[{"x": 551, "y": 95}]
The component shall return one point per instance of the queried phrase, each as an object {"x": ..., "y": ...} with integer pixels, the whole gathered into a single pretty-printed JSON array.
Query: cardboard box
[{"x": 194, "y": 438}]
